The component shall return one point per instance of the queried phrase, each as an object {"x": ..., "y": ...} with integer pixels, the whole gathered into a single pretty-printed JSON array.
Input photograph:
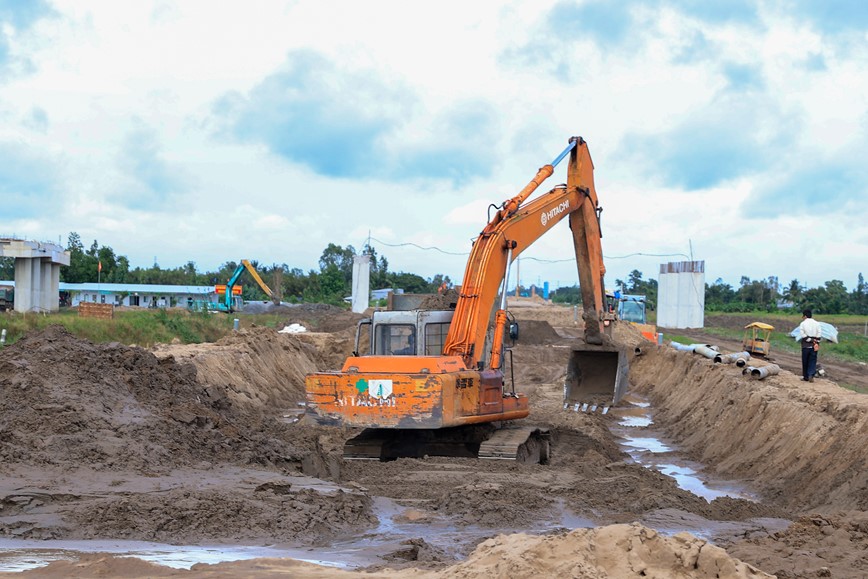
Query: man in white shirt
[{"x": 810, "y": 333}]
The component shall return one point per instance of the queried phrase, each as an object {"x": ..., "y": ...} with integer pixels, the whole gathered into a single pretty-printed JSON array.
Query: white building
[
  {"x": 138, "y": 294},
  {"x": 681, "y": 295}
]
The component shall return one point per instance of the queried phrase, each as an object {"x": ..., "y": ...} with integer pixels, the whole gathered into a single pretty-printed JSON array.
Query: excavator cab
[{"x": 403, "y": 333}]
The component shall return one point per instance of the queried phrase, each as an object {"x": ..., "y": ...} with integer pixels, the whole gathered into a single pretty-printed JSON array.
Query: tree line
[
  {"x": 333, "y": 281},
  {"x": 770, "y": 295},
  {"x": 766, "y": 295},
  {"x": 330, "y": 284}
]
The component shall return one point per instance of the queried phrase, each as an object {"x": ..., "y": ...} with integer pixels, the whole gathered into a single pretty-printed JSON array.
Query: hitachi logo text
[{"x": 545, "y": 217}]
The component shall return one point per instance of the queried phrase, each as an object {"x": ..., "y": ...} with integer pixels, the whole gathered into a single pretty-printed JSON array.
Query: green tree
[
  {"x": 340, "y": 258},
  {"x": 718, "y": 295},
  {"x": 567, "y": 295},
  {"x": 409, "y": 282},
  {"x": 379, "y": 268},
  {"x": 794, "y": 293},
  {"x": 295, "y": 283},
  {"x": 637, "y": 286},
  {"x": 859, "y": 298},
  {"x": 7, "y": 268}
]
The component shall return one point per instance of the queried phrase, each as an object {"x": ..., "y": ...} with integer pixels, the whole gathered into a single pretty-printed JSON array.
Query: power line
[
  {"x": 572, "y": 259},
  {"x": 537, "y": 259},
  {"x": 432, "y": 248}
]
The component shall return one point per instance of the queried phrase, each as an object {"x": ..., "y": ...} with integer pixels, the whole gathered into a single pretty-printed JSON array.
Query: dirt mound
[
  {"x": 441, "y": 301},
  {"x": 810, "y": 546},
  {"x": 68, "y": 402},
  {"x": 260, "y": 366},
  {"x": 321, "y": 317},
  {"x": 620, "y": 551},
  {"x": 71, "y": 410},
  {"x": 537, "y": 332}
]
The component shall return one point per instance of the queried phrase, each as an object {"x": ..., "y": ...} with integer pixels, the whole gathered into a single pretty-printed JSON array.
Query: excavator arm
[
  {"x": 255, "y": 275},
  {"x": 514, "y": 228},
  {"x": 245, "y": 265}
]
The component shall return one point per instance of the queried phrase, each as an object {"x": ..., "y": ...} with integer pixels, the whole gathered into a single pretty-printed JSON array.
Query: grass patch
[
  {"x": 853, "y": 387},
  {"x": 852, "y": 344},
  {"x": 141, "y": 327},
  {"x": 679, "y": 339}
]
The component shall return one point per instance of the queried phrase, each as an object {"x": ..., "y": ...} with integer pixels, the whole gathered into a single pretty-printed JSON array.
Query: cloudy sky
[{"x": 733, "y": 132}]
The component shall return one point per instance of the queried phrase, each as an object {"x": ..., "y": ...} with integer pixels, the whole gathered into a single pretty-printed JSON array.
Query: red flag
[{"x": 99, "y": 266}]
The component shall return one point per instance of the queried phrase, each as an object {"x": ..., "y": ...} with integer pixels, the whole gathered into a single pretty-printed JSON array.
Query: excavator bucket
[{"x": 596, "y": 378}]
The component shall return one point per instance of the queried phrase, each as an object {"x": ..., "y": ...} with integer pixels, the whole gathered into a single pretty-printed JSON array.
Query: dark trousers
[{"x": 809, "y": 362}]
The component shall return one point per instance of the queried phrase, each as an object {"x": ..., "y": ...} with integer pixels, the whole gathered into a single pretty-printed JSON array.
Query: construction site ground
[{"x": 206, "y": 448}]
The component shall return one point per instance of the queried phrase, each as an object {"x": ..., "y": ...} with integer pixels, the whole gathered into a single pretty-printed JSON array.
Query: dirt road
[{"x": 201, "y": 445}]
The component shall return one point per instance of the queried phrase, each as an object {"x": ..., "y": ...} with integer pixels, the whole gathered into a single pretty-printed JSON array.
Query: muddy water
[
  {"x": 646, "y": 446},
  {"x": 351, "y": 552}
]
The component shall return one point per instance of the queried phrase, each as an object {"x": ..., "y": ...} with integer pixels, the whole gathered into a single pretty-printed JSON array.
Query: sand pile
[{"x": 259, "y": 367}]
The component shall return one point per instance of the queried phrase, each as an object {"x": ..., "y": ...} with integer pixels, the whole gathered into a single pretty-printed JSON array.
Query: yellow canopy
[{"x": 759, "y": 325}]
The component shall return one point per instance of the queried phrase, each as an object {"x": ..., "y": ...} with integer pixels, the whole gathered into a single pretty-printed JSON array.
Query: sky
[{"x": 172, "y": 131}]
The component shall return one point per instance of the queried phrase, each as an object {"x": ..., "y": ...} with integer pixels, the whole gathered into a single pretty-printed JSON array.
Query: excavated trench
[{"x": 198, "y": 447}]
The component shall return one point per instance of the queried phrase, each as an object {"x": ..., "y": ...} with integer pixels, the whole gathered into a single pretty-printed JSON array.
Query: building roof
[
  {"x": 133, "y": 288},
  {"x": 140, "y": 288}
]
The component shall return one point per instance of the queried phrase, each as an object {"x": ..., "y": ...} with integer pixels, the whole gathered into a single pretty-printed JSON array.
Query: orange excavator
[{"x": 432, "y": 381}]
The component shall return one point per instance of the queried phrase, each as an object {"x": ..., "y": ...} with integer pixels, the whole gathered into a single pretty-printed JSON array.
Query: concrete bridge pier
[{"x": 37, "y": 273}]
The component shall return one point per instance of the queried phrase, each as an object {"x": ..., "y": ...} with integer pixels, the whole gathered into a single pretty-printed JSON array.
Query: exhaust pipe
[{"x": 761, "y": 372}]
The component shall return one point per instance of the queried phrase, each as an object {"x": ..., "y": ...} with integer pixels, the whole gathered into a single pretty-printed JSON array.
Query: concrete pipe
[
  {"x": 761, "y": 372},
  {"x": 735, "y": 357},
  {"x": 706, "y": 351},
  {"x": 682, "y": 347},
  {"x": 688, "y": 348},
  {"x": 637, "y": 351}
]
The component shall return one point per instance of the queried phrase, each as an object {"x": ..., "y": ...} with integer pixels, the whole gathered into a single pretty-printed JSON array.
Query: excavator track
[
  {"x": 522, "y": 444},
  {"x": 527, "y": 444}
]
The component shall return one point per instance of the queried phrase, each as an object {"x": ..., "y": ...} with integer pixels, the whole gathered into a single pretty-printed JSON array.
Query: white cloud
[{"x": 482, "y": 94}]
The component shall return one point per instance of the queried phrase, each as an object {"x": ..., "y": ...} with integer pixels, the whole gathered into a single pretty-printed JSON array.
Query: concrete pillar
[
  {"x": 45, "y": 285},
  {"x": 54, "y": 296},
  {"x": 37, "y": 273},
  {"x": 24, "y": 290},
  {"x": 361, "y": 283}
]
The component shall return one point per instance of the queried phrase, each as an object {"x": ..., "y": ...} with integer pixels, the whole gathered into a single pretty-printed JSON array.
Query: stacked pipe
[
  {"x": 740, "y": 358},
  {"x": 761, "y": 372},
  {"x": 688, "y": 348}
]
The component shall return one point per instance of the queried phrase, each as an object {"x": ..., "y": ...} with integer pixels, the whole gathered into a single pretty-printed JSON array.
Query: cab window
[{"x": 395, "y": 340}]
